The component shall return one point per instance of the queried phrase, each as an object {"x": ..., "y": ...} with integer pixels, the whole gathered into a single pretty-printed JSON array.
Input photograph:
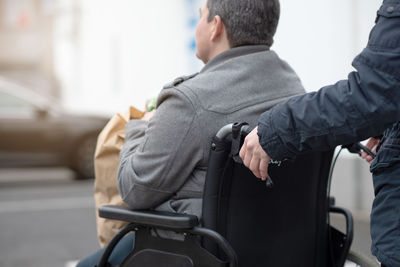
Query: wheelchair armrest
[
  {"x": 349, "y": 221},
  {"x": 341, "y": 243},
  {"x": 170, "y": 220},
  {"x": 162, "y": 220}
]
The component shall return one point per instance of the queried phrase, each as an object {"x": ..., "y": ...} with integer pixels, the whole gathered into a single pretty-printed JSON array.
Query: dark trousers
[
  {"x": 120, "y": 252},
  {"x": 385, "y": 215}
]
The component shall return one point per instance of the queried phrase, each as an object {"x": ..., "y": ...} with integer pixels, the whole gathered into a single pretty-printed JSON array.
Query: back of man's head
[{"x": 247, "y": 22}]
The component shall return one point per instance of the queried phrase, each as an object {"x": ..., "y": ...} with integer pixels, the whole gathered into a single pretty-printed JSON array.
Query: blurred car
[{"x": 35, "y": 131}]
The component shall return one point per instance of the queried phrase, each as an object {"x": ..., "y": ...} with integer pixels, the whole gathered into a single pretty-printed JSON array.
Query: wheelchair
[{"x": 245, "y": 222}]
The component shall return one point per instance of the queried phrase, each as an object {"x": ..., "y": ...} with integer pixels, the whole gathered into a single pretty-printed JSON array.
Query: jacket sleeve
[
  {"x": 152, "y": 171},
  {"x": 351, "y": 110}
]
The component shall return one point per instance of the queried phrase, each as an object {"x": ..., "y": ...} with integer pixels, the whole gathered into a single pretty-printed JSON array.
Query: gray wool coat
[{"x": 163, "y": 162}]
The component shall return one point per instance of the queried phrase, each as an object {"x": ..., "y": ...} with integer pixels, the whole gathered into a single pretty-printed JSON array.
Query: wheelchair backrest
[{"x": 285, "y": 225}]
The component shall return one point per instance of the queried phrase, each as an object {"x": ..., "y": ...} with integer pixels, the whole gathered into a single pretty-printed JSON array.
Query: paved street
[{"x": 47, "y": 219}]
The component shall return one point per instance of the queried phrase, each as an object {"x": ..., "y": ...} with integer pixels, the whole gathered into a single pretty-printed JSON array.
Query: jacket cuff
[{"x": 270, "y": 140}]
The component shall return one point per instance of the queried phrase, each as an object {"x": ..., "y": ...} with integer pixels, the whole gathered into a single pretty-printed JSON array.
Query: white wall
[
  {"x": 125, "y": 51},
  {"x": 114, "y": 53},
  {"x": 121, "y": 52},
  {"x": 320, "y": 38}
]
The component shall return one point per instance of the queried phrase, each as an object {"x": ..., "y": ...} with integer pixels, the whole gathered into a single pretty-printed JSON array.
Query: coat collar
[{"x": 232, "y": 53}]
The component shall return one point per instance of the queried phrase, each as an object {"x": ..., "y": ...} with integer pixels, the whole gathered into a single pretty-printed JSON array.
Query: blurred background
[{"x": 66, "y": 66}]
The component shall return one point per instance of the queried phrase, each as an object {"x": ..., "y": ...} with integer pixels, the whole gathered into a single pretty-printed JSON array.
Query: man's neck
[{"x": 218, "y": 49}]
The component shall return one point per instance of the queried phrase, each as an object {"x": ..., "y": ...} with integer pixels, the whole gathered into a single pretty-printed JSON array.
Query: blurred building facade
[{"x": 26, "y": 47}]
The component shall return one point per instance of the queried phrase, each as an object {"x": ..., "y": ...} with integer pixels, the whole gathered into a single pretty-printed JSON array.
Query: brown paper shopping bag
[{"x": 106, "y": 161}]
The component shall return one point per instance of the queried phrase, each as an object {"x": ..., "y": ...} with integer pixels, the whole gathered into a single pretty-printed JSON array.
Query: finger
[
  {"x": 371, "y": 143},
  {"x": 243, "y": 150},
  {"x": 254, "y": 167},
  {"x": 247, "y": 158},
  {"x": 364, "y": 155},
  {"x": 263, "y": 169},
  {"x": 245, "y": 153},
  {"x": 374, "y": 148}
]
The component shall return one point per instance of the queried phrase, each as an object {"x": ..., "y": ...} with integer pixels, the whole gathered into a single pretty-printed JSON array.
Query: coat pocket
[{"x": 388, "y": 155}]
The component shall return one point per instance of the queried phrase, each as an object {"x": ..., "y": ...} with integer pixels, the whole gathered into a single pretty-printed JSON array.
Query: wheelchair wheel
[{"x": 362, "y": 260}]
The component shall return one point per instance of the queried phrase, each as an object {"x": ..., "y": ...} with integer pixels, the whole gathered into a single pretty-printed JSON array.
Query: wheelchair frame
[{"x": 188, "y": 225}]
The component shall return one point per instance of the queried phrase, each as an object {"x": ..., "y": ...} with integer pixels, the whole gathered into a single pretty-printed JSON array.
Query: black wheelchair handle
[
  {"x": 224, "y": 131},
  {"x": 239, "y": 131},
  {"x": 241, "y": 128},
  {"x": 357, "y": 148}
]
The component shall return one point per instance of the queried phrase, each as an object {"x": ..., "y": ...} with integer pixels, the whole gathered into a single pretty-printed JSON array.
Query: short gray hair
[{"x": 248, "y": 22}]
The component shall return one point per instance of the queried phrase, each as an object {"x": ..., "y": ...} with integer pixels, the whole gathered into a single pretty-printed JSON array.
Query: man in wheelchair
[{"x": 164, "y": 161}]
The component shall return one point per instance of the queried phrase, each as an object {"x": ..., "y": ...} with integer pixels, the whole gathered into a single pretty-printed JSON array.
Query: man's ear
[{"x": 218, "y": 28}]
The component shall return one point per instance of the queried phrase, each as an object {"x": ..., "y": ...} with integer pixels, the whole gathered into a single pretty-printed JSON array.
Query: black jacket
[{"x": 351, "y": 110}]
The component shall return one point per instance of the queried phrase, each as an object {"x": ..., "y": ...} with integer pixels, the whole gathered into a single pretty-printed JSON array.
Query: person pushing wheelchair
[{"x": 364, "y": 105}]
